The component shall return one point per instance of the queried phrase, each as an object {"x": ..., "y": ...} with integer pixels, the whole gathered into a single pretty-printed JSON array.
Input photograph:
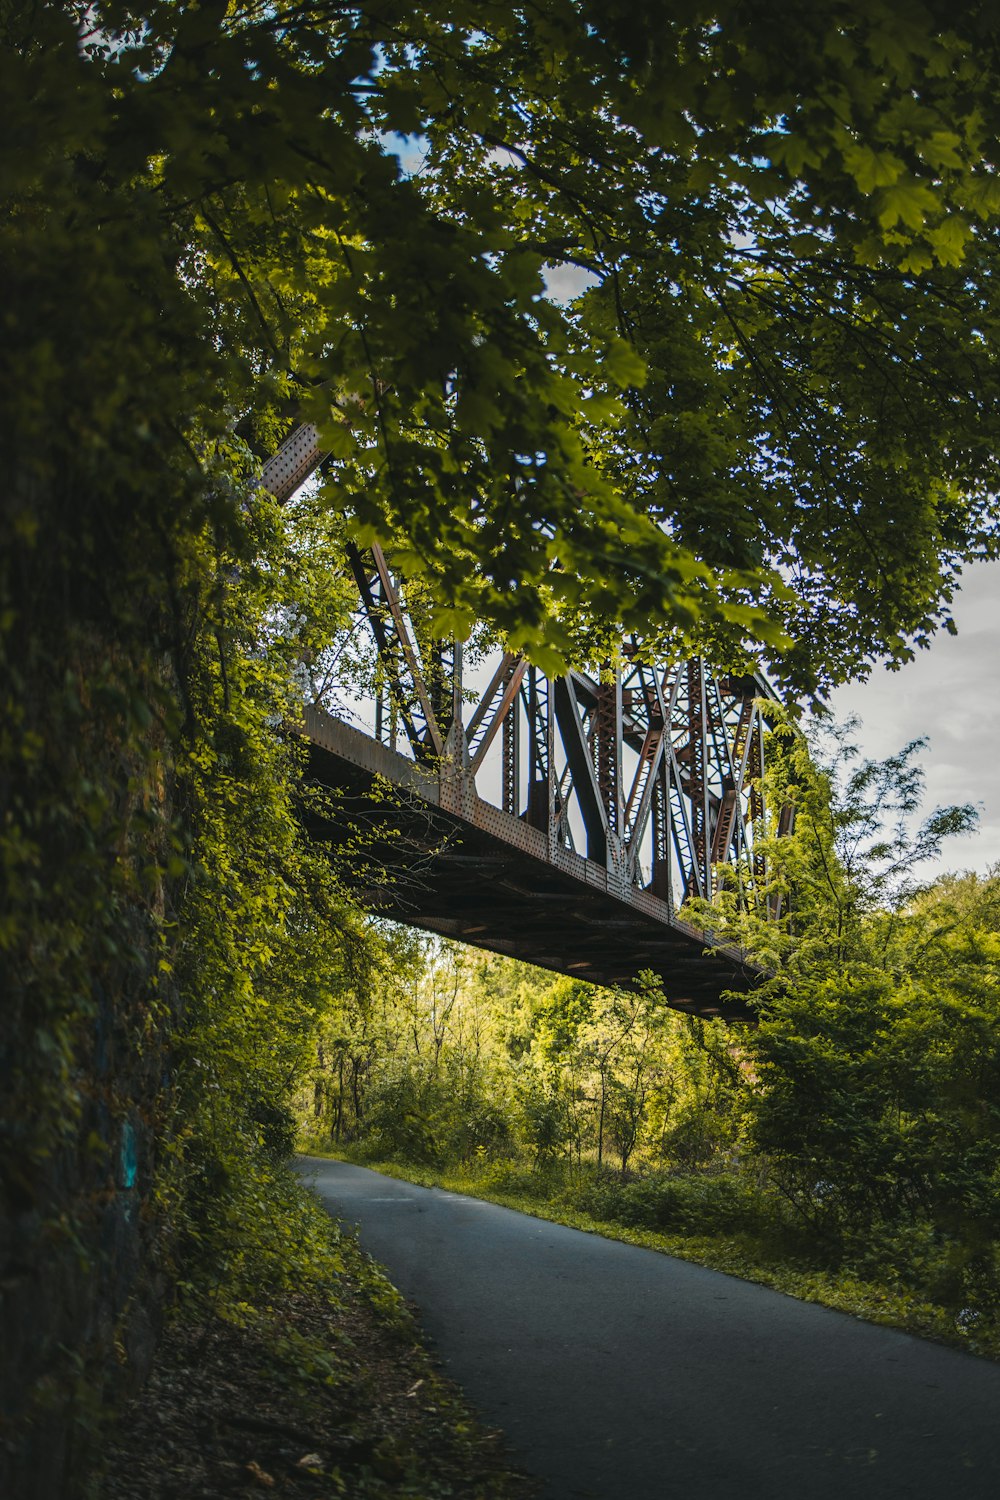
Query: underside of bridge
[{"x": 431, "y": 853}]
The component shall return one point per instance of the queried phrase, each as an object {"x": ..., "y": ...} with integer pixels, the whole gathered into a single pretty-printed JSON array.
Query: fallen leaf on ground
[{"x": 261, "y": 1475}]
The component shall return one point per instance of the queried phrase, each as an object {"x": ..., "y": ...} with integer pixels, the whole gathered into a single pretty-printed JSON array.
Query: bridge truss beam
[
  {"x": 661, "y": 763},
  {"x": 612, "y": 798}
]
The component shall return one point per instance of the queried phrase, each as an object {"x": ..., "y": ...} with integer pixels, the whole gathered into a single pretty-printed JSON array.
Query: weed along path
[{"x": 622, "y": 1374}]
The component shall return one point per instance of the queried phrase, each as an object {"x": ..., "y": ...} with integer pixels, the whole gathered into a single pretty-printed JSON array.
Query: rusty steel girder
[
  {"x": 650, "y": 770},
  {"x": 563, "y": 820}
]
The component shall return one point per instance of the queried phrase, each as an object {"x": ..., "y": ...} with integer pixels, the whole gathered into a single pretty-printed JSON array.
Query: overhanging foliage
[{"x": 768, "y": 420}]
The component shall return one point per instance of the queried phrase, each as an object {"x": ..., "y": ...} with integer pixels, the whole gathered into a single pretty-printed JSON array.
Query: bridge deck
[{"x": 465, "y": 869}]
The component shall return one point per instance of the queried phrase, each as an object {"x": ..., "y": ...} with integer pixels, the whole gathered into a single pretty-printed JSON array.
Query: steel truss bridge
[{"x": 559, "y": 821}]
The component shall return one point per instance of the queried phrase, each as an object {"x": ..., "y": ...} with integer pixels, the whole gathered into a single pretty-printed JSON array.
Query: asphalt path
[{"x": 622, "y": 1374}]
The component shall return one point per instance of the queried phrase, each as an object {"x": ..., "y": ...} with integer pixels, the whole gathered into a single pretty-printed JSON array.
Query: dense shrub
[{"x": 685, "y": 1205}]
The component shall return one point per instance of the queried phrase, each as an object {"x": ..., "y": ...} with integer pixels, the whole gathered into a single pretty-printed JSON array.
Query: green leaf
[{"x": 623, "y": 365}]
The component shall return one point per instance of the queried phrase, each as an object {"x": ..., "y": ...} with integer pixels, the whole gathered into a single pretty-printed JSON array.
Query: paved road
[{"x": 621, "y": 1374}]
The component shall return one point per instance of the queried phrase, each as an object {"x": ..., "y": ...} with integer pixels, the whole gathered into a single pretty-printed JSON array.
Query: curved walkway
[{"x": 622, "y": 1374}]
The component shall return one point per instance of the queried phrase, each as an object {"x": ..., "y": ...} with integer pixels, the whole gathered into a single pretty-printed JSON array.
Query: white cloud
[
  {"x": 951, "y": 695},
  {"x": 564, "y": 282}
]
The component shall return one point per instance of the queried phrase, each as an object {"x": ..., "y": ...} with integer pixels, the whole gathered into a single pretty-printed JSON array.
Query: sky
[{"x": 950, "y": 694}]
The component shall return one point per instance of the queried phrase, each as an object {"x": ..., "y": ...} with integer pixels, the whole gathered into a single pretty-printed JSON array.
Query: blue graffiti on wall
[{"x": 128, "y": 1157}]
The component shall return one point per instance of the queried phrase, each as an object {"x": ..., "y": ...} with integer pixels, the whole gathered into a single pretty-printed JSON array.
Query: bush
[
  {"x": 275, "y": 1123},
  {"x": 940, "y": 1268},
  {"x": 677, "y": 1205},
  {"x": 484, "y": 1132},
  {"x": 699, "y": 1136},
  {"x": 514, "y": 1178},
  {"x": 405, "y": 1119}
]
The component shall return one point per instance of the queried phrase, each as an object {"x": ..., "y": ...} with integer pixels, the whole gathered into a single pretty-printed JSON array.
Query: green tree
[
  {"x": 622, "y": 1040},
  {"x": 784, "y": 368},
  {"x": 874, "y": 1060},
  {"x": 854, "y": 859}
]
